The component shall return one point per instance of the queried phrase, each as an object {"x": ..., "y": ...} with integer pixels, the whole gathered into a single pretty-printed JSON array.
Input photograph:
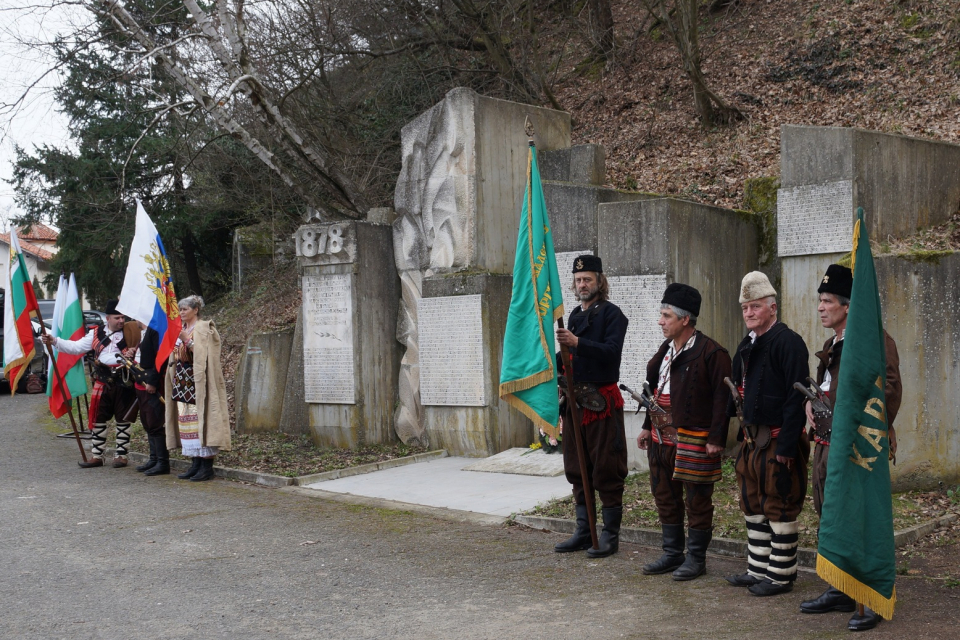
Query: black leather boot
[
  {"x": 153, "y": 456},
  {"x": 205, "y": 472},
  {"x": 610, "y": 536},
  {"x": 830, "y": 600},
  {"x": 696, "y": 563},
  {"x": 192, "y": 471},
  {"x": 581, "y": 538},
  {"x": 162, "y": 467},
  {"x": 672, "y": 551},
  {"x": 865, "y": 622}
]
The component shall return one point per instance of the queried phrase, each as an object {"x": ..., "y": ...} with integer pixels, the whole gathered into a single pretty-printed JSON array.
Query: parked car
[{"x": 93, "y": 319}]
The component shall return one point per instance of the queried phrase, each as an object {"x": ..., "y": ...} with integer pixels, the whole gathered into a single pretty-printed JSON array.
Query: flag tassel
[{"x": 863, "y": 594}]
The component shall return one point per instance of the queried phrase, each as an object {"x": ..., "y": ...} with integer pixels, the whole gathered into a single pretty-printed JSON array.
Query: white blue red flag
[{"x": 147, "y": 294}]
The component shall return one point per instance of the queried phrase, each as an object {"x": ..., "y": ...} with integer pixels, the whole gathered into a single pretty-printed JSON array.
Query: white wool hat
[{"x": 755, "y": 285}]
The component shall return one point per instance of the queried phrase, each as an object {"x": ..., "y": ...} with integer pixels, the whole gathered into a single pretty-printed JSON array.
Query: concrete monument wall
[
  {"x": 348, "y": 354},
  {"x": 458, "y": 202},
  {"x": 261, "y": 381},
  {"x": 903, "y": 184}
]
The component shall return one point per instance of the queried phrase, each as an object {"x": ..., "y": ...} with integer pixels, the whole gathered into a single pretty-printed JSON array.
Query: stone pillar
[
  {"x": 649, "y": 244},
  {"x": 458, "y": 199},
  {"x": 350, "y": 358}
]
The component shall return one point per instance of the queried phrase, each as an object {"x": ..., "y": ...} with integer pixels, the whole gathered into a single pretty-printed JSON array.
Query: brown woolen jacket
[{"x": 698, "y": 395}]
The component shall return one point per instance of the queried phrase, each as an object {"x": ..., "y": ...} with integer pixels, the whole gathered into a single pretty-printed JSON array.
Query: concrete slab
[
  {"x": 444, "y": 483},
  {"x": 521, "y": 461}
]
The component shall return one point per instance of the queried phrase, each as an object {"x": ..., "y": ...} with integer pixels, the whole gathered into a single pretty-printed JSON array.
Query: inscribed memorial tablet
[
  {"x": 639, "y": 298},
  {"x": 816, "y": 218},
  {"x": 328, "y": 353},
  {"x": 451, "y": 351}
]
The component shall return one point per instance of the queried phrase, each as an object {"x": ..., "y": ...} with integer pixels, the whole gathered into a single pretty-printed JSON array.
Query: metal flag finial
[{"x": 528, "y": 128}]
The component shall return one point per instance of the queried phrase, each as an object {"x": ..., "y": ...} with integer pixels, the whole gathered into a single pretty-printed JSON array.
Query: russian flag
[{"x": 147, "y": 293}]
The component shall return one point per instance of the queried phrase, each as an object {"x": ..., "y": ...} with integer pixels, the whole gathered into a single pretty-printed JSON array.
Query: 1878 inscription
[
  {"x": 451, "y": 351},
  {"x": 639, "y": 299},
  {"x": 816, "y": 218},
  {"x": 328, "y": 366}
]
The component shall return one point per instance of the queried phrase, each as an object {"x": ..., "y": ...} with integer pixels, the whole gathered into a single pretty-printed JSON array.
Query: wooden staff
[
  {"x": 63, "y": 387},
  {"x": 578, "y": 439}
]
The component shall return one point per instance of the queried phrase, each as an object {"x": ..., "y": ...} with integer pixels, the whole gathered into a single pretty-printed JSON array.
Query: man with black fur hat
[
  {"x": 834, "y": 306},
  {"x": 772, "y": 463},
  {"x": 594, "y": 335},
  {"x": 686, "y": 375},
  {"x": 113, "y": 395}
]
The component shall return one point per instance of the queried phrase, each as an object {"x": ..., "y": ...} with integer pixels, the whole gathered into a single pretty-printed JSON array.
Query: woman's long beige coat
[{"x": 213, "y": 416}]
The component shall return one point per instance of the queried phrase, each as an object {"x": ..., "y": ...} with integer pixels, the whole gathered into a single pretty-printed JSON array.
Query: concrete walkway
[{"x": 444, "y": 484}]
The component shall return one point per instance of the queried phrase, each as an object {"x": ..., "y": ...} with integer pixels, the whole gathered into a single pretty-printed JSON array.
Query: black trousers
[{"x": 606, "y": 457}]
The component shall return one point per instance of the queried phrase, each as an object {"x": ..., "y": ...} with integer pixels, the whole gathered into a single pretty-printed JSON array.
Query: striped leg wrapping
[
  {"x": 758, "y": 545},
  {"x": 98, "y": 440},
  {"x": 783, "y": 555},
  {"x": 123, "y": 438}
]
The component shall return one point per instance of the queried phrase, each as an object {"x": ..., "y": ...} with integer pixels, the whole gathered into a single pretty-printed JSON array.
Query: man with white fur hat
[{"x": 772, "y": 463}]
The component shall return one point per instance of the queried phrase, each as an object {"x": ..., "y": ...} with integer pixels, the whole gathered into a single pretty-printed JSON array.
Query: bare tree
[{"x": 681, "y": 20}]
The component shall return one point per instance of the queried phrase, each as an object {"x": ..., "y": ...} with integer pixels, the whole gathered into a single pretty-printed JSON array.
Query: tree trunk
[{"x": 601, "y": 28}]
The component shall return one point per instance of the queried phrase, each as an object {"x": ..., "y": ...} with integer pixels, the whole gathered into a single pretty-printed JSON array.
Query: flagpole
[
  {"x": 578, "y": 439},
  {"x": 63, "y": 387}
]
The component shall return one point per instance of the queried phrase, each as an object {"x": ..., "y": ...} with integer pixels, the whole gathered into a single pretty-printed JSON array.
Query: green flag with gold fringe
[
  {"x": 856, "y": 550},
  {"x": 528, "y": 373}
]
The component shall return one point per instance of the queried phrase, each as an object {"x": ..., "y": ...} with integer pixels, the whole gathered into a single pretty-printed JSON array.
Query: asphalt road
[{"x": 108, "y": 553}]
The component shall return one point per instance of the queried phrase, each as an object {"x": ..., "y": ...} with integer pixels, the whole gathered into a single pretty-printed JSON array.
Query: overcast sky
[{"x": 36, "y": 121}]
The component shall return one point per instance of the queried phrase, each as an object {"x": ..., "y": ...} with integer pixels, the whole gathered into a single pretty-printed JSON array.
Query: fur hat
[
  {"x": 838, "y": 281},
  {"x": 588, "y": 262},
  {"x": 112, "y": 307},
  {"x": 682, "y": 296},
  {"x": 755, "y": 285}
]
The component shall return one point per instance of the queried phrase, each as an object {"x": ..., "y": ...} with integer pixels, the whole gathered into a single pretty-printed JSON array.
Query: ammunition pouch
[
  {"x": 758, "y": 434},
  {"x": 823, "y": 425},
  {"x": 111, "y": 375},
  {"x": 589, "y": 397},
  {"x": 660, "y": 420}
]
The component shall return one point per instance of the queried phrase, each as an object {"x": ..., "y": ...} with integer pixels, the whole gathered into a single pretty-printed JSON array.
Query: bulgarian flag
[
  {"x": 147, "y": 294},
  {"x": 528, "y": 375},
  {"x": 67, "y": 323},
  {"x": 19, "y": 304},
  {"x": 856, "y": 551}
]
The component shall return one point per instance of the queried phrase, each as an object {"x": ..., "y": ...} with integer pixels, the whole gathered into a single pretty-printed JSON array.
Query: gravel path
[{"x": 108, "y": 553}]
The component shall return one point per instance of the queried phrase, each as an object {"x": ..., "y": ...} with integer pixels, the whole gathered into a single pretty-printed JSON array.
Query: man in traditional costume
[
  {"x": 594, "y": 336},
  {"x": 113, "y": 395},
  {"x": 833, "y": 308},
  {"x": 772, "y": 462},
  {"x": 685, "y": 440},
  {"x": 149, "y": 390}
]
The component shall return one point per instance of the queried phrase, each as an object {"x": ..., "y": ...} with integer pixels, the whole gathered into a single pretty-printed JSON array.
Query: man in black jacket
[
  {"x": 687, "y": 375},
  {"x": 595, "y": 336},
  {"x": 149, "y": 390},
  {"x": 772, "y": 463}
]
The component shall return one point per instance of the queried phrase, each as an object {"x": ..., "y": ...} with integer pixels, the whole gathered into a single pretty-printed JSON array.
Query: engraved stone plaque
[
  {"x": 328, "y": 352},
  {"x": 565, "y": 270},
  {"x": 333, "y": 243},
  {"x": 639, "y": 298},
  {"x": 451, "y": 351},
  {"x": 816, "y": 218}
]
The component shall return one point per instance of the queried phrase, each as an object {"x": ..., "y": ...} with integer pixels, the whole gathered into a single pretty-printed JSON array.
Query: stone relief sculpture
[{"x": 435, "y": 201}]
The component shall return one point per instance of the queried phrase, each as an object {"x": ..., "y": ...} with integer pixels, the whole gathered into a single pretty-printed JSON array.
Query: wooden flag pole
[
  {"x": 578, "y": 439},
  {"x": 63, "y": 387}
]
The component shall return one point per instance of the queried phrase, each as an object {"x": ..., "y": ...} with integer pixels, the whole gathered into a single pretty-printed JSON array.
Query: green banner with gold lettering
[{"x": 856, "y": 551}]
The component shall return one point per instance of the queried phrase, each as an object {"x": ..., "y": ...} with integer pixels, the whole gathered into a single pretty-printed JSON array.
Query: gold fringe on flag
[
  {"x": 840, "y": 579},
  {"x": 856, "y": 241}
]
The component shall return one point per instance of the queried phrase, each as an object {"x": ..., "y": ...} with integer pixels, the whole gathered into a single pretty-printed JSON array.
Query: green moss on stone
[
  {"x": 760, "y": 198},
  {"x": 925, "y": 255}
]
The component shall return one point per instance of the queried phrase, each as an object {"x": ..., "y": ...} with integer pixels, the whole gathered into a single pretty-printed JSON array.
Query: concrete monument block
[
  {"x": 458, "y": 202},
  {"x": 921, "y": 310},
  {"x": 350, "y": 355},
  {"x": 262, "y": 379},
  {"x": 573, "y": 212},
  {"x": 461, "y": 322},
  {"x": 826, "y": 173},
  {"x": 648, "y": 244},
  {"x": 580, "y": 164}
]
